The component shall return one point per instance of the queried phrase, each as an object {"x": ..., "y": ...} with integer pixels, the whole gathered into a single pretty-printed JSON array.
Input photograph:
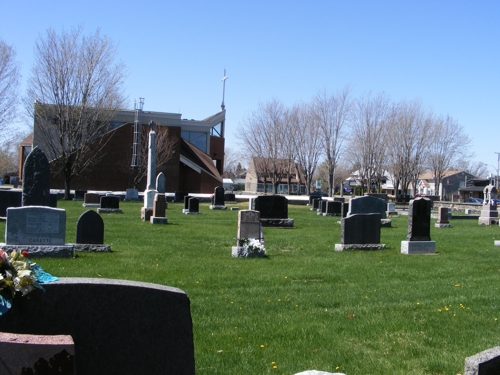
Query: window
[{"x": 198, "y": 139}]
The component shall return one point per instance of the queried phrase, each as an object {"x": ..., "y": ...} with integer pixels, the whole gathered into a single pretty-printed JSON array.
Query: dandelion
[
  {"x": 262, "y": 346},
  {"x": 439, "y": 310},
  {"x": 337, "y": 367},
  {"x": 275, "y": 367},
  {"x": 457, "y": 284},
  {"x": 286, "y": 277}
]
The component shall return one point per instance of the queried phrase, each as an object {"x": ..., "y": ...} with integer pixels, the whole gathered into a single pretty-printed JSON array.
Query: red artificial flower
[{"x": 24, "y": 253}]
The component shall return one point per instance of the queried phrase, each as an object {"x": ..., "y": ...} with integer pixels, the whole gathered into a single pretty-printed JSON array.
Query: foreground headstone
[
  {"x": 418, "y": 240},
  {"x": 119, "y": 327},
  {"x": 273, "y": 211},
  {"x": 38, "y": 229},
  {"x": 36, "y": 179},
  {"x": 484, "y": 363},
  {"x": 36, "y": 354},
  {"x": 218, "y": 199},
  {"x": 361, "y": 232},
  {"x": 90, "y": 233}
]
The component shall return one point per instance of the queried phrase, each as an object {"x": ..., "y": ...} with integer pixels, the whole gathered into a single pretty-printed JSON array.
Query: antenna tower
[{"x": 136, "y": 145}]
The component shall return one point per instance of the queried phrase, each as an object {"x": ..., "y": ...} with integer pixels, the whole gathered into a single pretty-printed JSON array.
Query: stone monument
[
  {"x": 150, "y": 192},
  {"x": 489, "y": 213},
  {"x": 218, "y": 199},
  {"x": 249, "y": 228},
  {"x": 418, "y": 240},
  {"x": 443, "y": 218},
  {"x": 360, "y": 232},
  {"x": 36, "y": 179},
  {"x": 273, "y": 211},
  {"x": 193, "y": 206},
  {"x": 90, "y": 233}
]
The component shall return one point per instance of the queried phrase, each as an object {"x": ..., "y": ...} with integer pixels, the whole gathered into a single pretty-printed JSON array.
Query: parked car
[{"x": 474, "y": 200}]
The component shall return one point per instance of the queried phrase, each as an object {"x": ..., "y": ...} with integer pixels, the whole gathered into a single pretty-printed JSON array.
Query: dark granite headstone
[
  {"x": 484, "y": 363},
  {"x": 443, "y": 217},
  {"x": 322, "y": 207},
  {"x": 218, "y": 199},
  {"x": 79, "y": 195},
  {"x": 419, "y": 220},
  {"x": 334, "y": 208},
  {"x": 271, "y": 206},
  {"x": 91, "y": 198},
  {"x": 368, "y": 205},
  {"x": 9, "y": 198},
  {"x": 360, "y": 229},
  {"x": 159, "y": 205},
  {"x": 119, "y": 327},
  {"x": 36, "y": 179},
  {"x": 110, "y": 202},
  {"x": 229, "y": 197},
  {"x": 186, "y": 202},
  {"x": 345, "y": 209},
  {"x": 90, "y": 228},
  {"x": 339, "y": 199},
  {"x": 316, "y": 203},
  {"x": 194, "y": 205},
  {"x": 179, "y": 196}
]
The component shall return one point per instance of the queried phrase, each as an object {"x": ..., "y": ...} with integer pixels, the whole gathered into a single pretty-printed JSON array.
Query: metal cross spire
[{"x": 223, "y": 80}]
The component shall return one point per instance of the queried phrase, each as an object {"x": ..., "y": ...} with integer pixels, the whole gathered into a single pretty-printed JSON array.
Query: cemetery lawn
[{"x": 307, "y": 306}]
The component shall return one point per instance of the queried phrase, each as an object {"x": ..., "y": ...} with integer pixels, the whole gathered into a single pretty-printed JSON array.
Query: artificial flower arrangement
[
  {"x": 252, "y": 247},
  {"x": 18, "y": 274}
]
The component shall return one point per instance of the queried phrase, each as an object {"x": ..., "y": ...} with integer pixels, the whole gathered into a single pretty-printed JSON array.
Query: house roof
[
  {"x": 199, "y": 158},
  {"x": 430, "y": 175},
  {"x": 284, "y": 165},
  {"x": 28, "y": 141}
]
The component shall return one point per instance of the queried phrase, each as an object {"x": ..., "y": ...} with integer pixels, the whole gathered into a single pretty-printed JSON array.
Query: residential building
[{"x": 263, "y": 173}]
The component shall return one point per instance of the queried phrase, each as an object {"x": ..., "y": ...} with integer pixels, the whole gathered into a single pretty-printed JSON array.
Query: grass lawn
[{"x": 306, "y": 306}]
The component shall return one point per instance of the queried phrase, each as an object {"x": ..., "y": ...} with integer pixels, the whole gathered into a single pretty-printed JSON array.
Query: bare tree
[
  {"x": 331, "y": 116},
  {"x": 449, "y": 147},
  {"x": 305, "y": 140},
  {"x": 367, "y": 137},
  {"x": 477, "y": 169},
  {"x": 408, "y": 129},
  {"x": 9, "y": 85},
  {"x": 262, "y": 136},
  {"x": 74, "y": 90},
  {"x": 165, "y": 146}
]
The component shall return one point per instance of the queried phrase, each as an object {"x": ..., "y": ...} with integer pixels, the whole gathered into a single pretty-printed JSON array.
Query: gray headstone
[
  {"x": 218, "y": 199},
  {"x": 419, "y": 220},
  {"x": 132, "y": 195},
  {"x": 249, "y": 224},
  {"x": 114, "y": 324},
  {"x": 443, "y": 215},
  {"x": 9, "y": 198},
  {"x": 367, "y": 205},
  {"x": 36, "y": 179},
  {"x": 271, "y": 206},
  {"x": 484, "y": 363},
  {"x": 161, "y": 183},
  {"x": 90, "y": 228},
  {"x": 92, "y": 198},
  {"x": 35, "y": 225},
  {"x": 193, "y": 205},
  {"x": 360, "y": 229}
]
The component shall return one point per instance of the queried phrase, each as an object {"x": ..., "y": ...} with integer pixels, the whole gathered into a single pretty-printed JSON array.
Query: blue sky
[{"x": 446, "y": 53}]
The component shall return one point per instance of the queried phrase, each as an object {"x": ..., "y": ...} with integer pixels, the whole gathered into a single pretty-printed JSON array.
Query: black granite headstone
[
  {"x": 9, "y": 198},
  {"x": 271, "y": 206},
  {"x": 360, "y": 229},
  {"x": 419, "y": 219},
  {"x": 186, "y": 201},
  {"x": 229, "y": 197},
  {"x": 110, "y": 202},
  {"x": 36, "y": 179},
  {"x": 334, "y": 208},
  {"x": 90, "y": 228},
  {"x": 316, "y": 203},
  {"x": 218, "y": 199},
  {"x": 322, "y": 206},
  {"x": 179, "y": 196},
  {"x": 345, "y": 209},
  {"x": 194, "y": 205}
]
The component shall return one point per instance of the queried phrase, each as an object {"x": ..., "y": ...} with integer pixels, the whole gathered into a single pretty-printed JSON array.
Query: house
[
  {"x": 196, "y": 165},
  {"x": 263, "y": 173},
  {"x": 450, "y": 187}
]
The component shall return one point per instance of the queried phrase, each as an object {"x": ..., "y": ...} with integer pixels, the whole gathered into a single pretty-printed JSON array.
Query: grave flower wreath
[
  {"x": 18, "y": 274},
  {"x": 251, "y": 247}
]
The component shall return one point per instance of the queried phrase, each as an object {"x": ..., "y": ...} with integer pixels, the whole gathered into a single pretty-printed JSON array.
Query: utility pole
[{"x": 498, "y": 168}]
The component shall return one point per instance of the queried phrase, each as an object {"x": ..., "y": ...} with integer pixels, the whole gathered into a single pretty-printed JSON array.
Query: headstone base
[
  {"x": 327, "y": 214},
  {"x": 217, "y": 207},
  {"x": 109, "y": 211},
  {"x": 486, "y": 362},
  {"x": 238, "y": 252},
  {"x": 442, "y": 225},
  {"x": 487, "y": 220},
  {"x": 158, "y": 220},
  {"x": 385, "y": 223},
  {"x": 418, "y": 247},
  {"x": 279, "y": 223},
  {"x": 184, "y": 210},
  {"x": 91, "y": 205},
  {"x": 192, "y": 213},
  {"x": 97, "y": 248},
  {"x": 391, "y": 213},
  {"x": 359, "y": 246},
  {"x": 496, "y": 243},
  {"x": 36, "y": 349},
  {"x": 42, "y": 251},
  {"x": 234, "y": 208},
  {"x": 146, "y": 213}
]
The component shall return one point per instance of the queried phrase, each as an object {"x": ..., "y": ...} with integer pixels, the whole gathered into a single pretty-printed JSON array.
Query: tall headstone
[
  {"x": 249, "y": 227},
  {"x": 360, "y": 231},
  {"x": 36, "y": 179},
  {"x": 218, "y": 199},
  {"x": 159, "y": 207},
  {"x": 489, "y": 213},
  {"x": 149, "y": 193},
  {"x": 161, "y": 183},
  {"x": 418, "y": 240}
]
